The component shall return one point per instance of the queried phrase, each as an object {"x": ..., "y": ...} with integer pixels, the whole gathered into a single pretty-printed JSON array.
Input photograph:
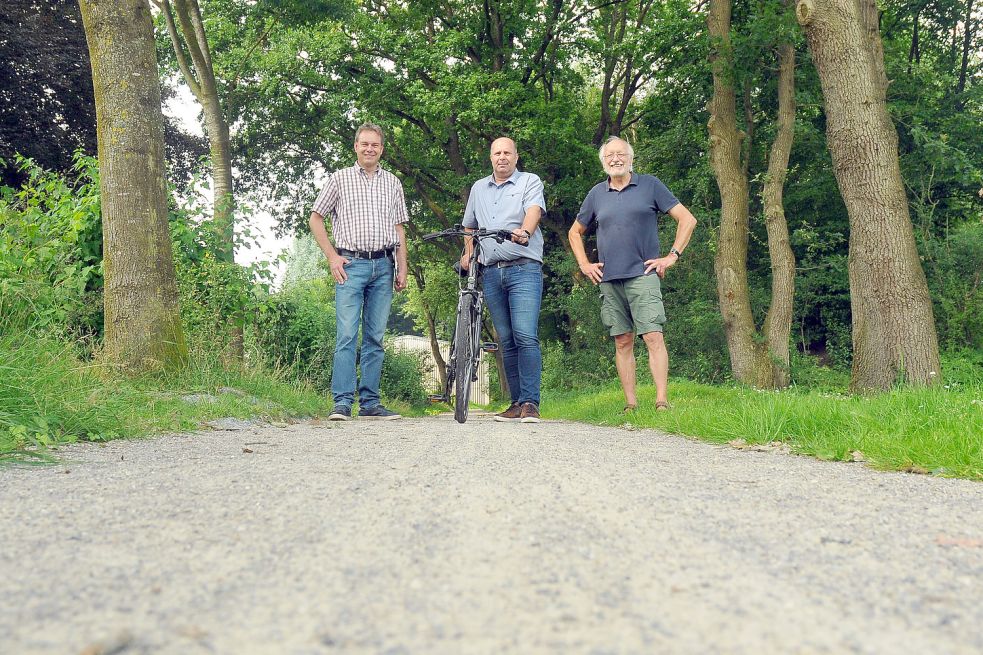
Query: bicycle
[{"x": 466, "y": 346}]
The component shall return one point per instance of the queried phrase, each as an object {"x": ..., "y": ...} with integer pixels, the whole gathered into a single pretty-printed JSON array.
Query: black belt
[
  {"x": 366, "y": 254},
  {"x": 512, "y": 262}
]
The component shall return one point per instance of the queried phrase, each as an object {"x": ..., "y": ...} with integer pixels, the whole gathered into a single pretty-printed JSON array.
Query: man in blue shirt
[
  {"x": 510, "y": 199},
  {"x": 625, "y": 210}
]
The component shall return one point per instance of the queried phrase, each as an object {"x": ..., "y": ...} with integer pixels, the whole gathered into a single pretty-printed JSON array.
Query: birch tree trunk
[
  {"x": 894, "y": 337},
  {"x": 187, "y": 34},
  {"x": 143, "y": 324}
]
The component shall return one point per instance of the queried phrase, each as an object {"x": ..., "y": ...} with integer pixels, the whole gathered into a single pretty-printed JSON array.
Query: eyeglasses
[{"x": 616, "y": 155}]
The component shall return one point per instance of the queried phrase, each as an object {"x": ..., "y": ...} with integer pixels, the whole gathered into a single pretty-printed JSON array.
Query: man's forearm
[
  {"x": 577, "y": 246},
  {"x": 401, "y": 256},
  {"x": 320, "y": 234},
  {"x": 468, "y": 244},
  {"x": 685, "y": 225},
  {"x": 531, "y": 220}
]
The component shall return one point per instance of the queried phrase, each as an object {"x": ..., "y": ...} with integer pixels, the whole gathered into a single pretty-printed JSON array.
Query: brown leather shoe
[
  {"x": 530, "y": 413},
  {"x": 513, "y": 413}
]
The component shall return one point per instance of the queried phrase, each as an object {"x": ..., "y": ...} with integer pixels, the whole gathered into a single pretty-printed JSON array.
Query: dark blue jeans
[
  {"x": 364, "y": 298},
  {"x": 513, "y": 295}
]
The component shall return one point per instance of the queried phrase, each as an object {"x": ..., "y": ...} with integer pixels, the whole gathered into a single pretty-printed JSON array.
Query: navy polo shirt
[{"x": 627, "y": 223}]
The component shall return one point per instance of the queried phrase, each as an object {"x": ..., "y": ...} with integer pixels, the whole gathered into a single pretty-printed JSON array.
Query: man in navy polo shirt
[
  {"x": 510, "y": 199},
  {"x": 625, "y": 209}
]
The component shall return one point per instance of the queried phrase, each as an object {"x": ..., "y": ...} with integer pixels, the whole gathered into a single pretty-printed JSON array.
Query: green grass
[
  {"x": 49, "y": 397},
  {"x": 934, "y": 430}
]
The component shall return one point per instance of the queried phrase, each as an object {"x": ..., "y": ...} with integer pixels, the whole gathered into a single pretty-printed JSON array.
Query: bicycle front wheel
[{"x": 466, "y": 347}]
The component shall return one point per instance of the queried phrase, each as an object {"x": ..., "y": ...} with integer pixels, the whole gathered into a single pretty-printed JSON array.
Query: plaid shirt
[{"x": 364, "y": 211}]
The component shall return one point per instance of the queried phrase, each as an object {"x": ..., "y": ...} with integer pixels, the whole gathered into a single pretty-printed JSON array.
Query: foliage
[
  {"x": 50, "y": 251},
  {"x": 296, "y": 332},
  {"x": 47, "y": 108},
  {"x": 402, "y": 377},
  {"x": 954, "y": 268}
]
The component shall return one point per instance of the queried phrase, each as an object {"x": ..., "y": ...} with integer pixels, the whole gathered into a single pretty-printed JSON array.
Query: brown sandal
[
  {"x": 662, "y": 406},
  {"x": 628, "y": 409}
]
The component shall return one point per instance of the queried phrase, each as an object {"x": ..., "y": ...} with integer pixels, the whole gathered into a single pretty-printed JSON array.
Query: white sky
[{"x": 184, "y": 107}]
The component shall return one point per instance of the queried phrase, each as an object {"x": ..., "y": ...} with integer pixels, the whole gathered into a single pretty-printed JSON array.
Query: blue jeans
[
  {"x": 364, "y": 298},
  {"x": 513, "y": 295}
]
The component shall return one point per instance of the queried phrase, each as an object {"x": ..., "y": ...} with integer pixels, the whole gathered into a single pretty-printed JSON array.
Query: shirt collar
[
  {"x": 632, "y": 181},
  {"x": 513, "y": 178},
  {"x": 359, "y": 169}
]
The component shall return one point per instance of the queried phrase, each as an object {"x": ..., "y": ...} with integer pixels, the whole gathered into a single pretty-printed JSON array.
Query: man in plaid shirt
[{"x": 368, "y": 259}]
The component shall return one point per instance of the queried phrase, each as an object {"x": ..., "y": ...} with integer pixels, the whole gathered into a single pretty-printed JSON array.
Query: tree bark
[
  {"x": 894, "y": 337},
  {"x": 730, "y": 264},
  {"x": 143, "y": 323},
  {"x": 778, "y": 322}
]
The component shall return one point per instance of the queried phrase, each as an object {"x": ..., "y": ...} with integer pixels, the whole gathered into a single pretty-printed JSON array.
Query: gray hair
[
  {"x": 371, "y": 127},
  {"x": 600, "y": 153}
]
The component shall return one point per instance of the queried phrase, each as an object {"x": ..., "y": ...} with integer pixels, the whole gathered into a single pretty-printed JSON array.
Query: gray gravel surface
[{"x": 425, "y": 536}]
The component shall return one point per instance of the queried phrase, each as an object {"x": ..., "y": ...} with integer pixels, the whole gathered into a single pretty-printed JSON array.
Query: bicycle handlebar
[{"x": 460, "y": 231}]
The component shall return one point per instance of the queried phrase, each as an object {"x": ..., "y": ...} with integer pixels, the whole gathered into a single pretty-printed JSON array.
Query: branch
[
  {"x": 200, "y": 31},
  {"x": 245, "y": 58},
  {"x": 194, "y": 48},
  {"x": 182, "y": 61},
  {"x": 577, "y": 18}
]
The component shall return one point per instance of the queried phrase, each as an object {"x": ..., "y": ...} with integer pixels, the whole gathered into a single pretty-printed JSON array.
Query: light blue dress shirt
[{"x": 502, "y": 206}]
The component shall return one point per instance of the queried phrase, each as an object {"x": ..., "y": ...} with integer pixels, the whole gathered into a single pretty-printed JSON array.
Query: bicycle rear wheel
[{"x": 466, "y": 348}]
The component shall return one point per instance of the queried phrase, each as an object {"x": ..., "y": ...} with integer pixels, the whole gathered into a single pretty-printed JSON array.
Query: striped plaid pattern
[{"x": 364, "y": 212}]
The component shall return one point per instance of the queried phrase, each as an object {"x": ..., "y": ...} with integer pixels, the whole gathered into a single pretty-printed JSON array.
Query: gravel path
[{"x": 424, "y": 536}]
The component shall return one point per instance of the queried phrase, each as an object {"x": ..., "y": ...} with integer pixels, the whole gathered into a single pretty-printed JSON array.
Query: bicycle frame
[{"x": 466, "y": 346}]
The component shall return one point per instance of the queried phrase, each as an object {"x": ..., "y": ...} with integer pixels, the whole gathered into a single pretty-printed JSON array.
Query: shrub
[
  {"x": 954, "y": 269},
  {"x": 50, "y": 259},
  {"x": 402, "y": 376},
  {"x": 296, "y": 332}
]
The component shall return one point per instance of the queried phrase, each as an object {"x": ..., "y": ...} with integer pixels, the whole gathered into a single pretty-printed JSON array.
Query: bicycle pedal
[
  {"x": 437, "y": 398},
  {"x": 489, "y": 347}
]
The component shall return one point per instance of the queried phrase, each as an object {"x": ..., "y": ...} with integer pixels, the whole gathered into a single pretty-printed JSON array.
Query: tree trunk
[
  {"x": 748, "y": 359},
  {"x": 199, "y": 74},
  {"x": 894, "y": 336},
  {"x": 967, "y": 43},
  {"x": 143, "y": 322},
  {"x": 778, "y": 322}
]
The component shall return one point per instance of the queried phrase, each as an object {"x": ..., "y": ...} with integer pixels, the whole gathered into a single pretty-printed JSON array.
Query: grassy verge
[
  {"x": 48, "y": 397},
  {"x": 936, "y": 431}
]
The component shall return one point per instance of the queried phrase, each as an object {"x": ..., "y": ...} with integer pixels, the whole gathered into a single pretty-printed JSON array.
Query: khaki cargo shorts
[{"x": 633, "y": 305}]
